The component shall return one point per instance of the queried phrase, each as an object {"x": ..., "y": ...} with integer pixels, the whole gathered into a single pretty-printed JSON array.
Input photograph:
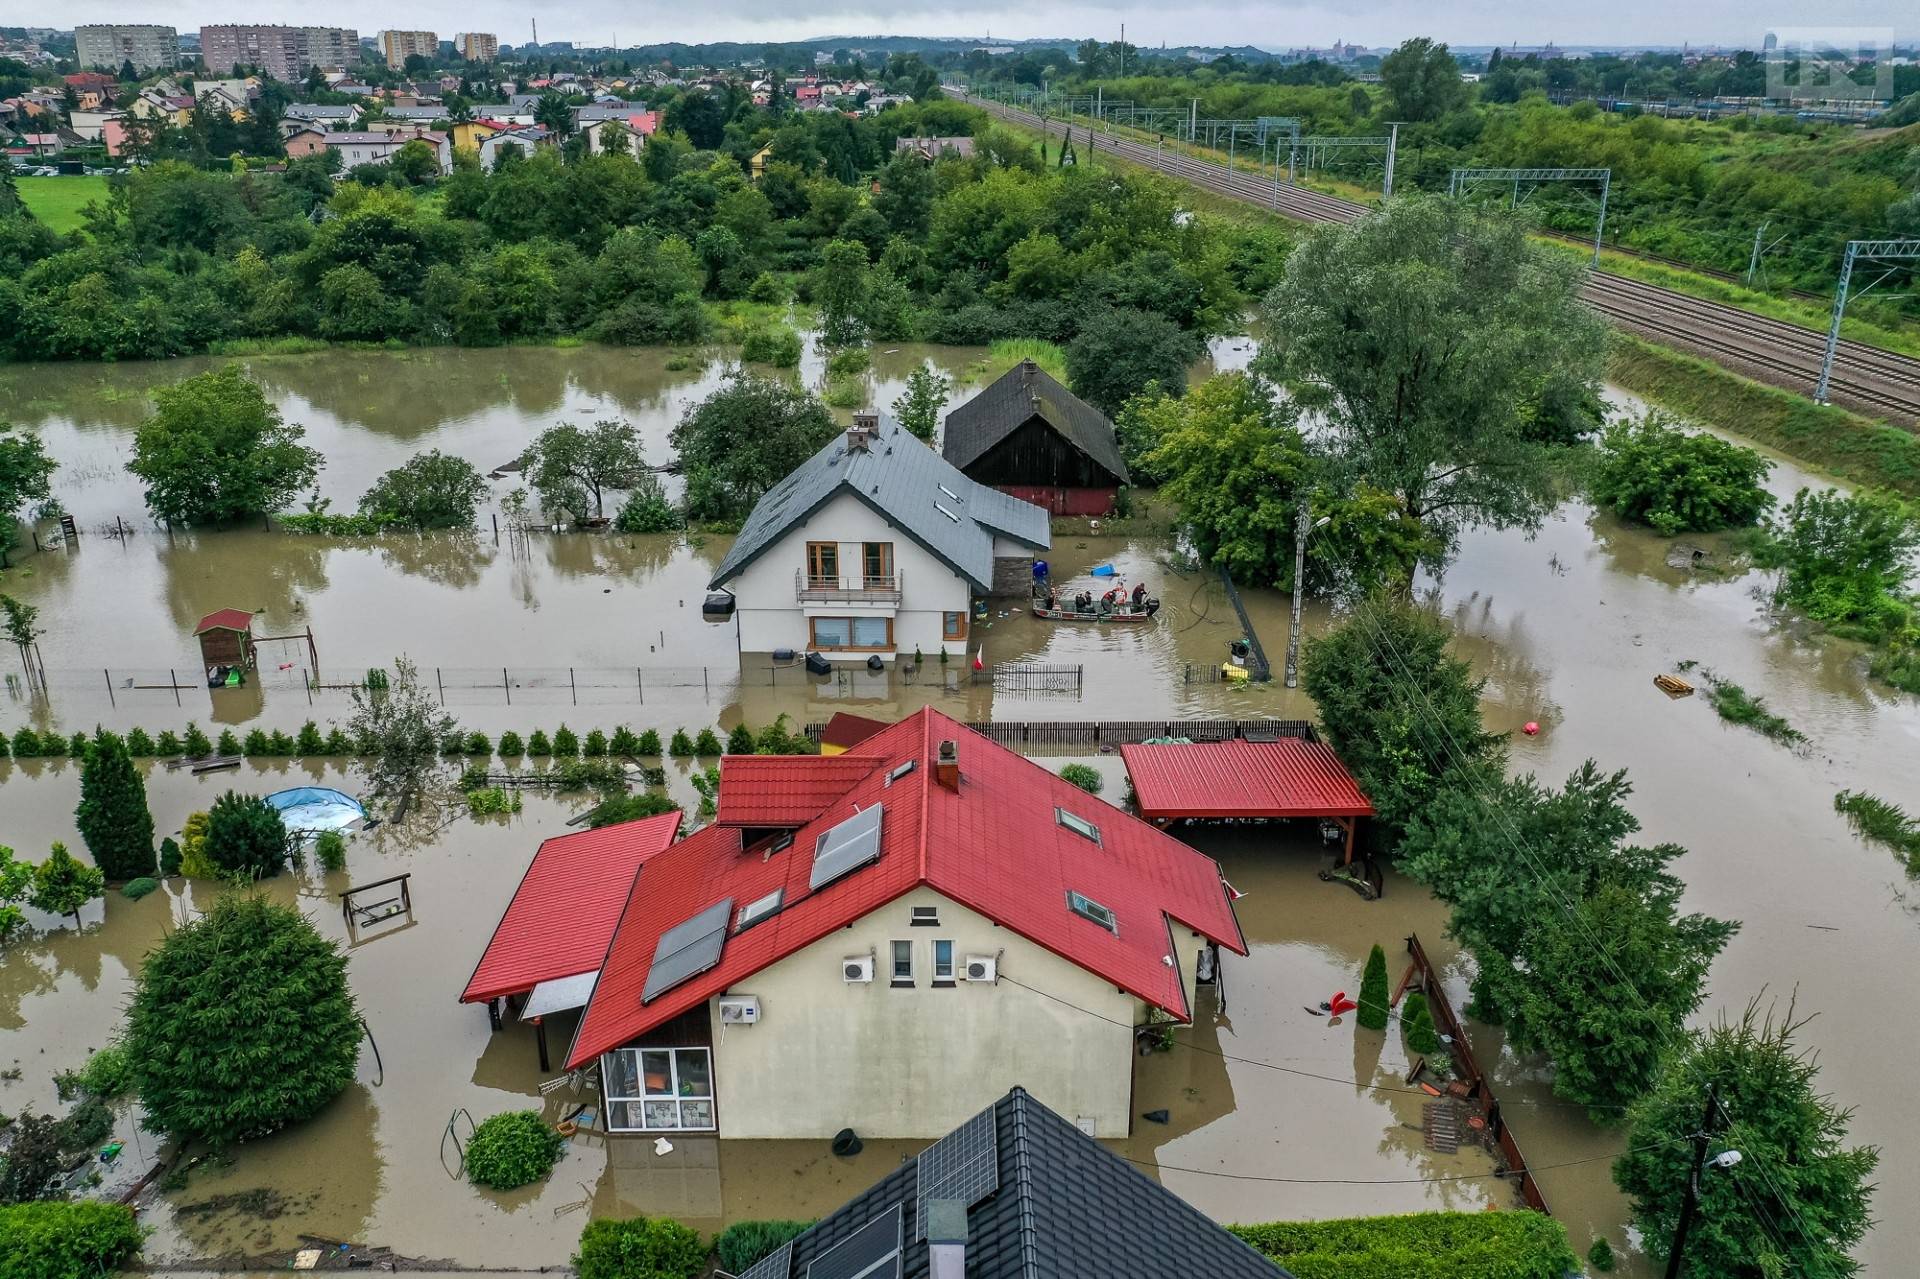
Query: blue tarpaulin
[{"x": 308, "y": 810}]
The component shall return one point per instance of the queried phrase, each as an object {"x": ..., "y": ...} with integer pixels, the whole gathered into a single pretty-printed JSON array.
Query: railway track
[{"x": 1868, "y": 379}]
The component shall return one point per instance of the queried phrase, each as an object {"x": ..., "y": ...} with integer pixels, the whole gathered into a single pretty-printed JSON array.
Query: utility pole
[
  {"x": 1753, "y": 262},
  {"x": 1302, "y": 525},
  {"x": 1691, "y": 1204},
  {"x": 1393, "y": 145}
]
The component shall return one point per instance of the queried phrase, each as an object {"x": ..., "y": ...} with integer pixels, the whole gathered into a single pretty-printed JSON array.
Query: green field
[{"x": 58, "y": 201}]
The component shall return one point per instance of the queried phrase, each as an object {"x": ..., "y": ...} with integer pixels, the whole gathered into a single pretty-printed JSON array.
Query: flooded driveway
[{"x": 1570, "y": 626}]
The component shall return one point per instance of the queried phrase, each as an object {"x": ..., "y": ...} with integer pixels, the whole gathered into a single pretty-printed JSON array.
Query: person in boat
[
  {"x": 1139, "y": 596},
  {"x": 1053, "y": 601},
  {"x": 1083, "y": 603}
]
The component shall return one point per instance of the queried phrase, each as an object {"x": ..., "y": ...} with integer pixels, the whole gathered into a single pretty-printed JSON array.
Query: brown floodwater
[{"x": 1570, "y": 625}]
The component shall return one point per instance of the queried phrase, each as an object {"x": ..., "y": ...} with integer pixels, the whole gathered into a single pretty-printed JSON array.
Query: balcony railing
[{"x": 859, "y": 589}]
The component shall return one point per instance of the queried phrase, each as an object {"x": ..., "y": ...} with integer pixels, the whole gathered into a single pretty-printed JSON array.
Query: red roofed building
[
  {"x": 889, "y": 939},
  {"x": 1292, "y": 777}
]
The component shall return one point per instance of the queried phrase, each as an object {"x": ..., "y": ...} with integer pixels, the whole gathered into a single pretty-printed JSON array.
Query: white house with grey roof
[{"x": 876, "y": 546}]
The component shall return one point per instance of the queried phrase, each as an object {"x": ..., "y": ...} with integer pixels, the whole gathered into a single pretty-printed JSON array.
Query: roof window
[
  {"x": 1078, "y": 825},
  {"x": 1087, "y": 908}
]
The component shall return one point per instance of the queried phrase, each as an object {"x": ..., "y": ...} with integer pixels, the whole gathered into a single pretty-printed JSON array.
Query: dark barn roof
[
  {"x": 1047, "y": 1202},
  {"x": 1022, "y": 393}
]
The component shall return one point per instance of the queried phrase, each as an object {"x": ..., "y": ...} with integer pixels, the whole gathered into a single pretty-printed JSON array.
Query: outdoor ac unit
[
  {"x": 740, "y": 1010},
  {"x": 982, "y": 968},
  {"x": 856, "y": 968}
]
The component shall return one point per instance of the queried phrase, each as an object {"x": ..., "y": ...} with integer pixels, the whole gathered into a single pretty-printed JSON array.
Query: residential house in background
[
  {"x": 369, "y": 147},
  {"x": 148, "y": 47},
  {"x": 235, "y": 97},
  {"x": 151, "y": 103},
  {"x": 90, "y": 124},
  {"x": 875, "y": 548},
  {"x": 1028, "y": 436},
  {"x": 526, "y": 139},
  {"x": 598, "y": 134},
  {"x": 934, "y": 148},
  {"x": 890, "y": 938},
  {"x": 413, "y": 115},
  {"x": 607, "y": 110},
  {"x": 1017, "y": 1192},
  {"x": 312, "y": 115}
]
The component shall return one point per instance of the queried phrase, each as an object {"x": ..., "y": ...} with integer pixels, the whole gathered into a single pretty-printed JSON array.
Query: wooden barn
[
  {"x": 226, "y": 638},
  {"x": 1033, "y": 439}
]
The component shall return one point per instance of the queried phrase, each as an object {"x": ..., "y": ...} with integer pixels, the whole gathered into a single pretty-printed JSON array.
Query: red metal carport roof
[
  {"x": 563, "y": 914},
  {"x": 1292, "y": 777},
  {"x": 226, "y": 619}
]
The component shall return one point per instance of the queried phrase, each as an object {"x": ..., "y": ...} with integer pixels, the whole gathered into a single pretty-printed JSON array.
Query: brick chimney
[
  {"x": 864, "y": 431},
  {"x": 946, "y": 765}
]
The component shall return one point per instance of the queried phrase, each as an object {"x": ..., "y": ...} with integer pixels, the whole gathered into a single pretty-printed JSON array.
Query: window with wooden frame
[
  {"x": 876, "y": 561},
  {"x": 852, "y": 634},
  {"x": 953, "y": 626},
  {"x": 823, "y": 564}
]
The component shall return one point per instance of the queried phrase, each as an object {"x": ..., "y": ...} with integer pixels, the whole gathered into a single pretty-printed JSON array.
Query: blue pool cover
[{"x": 308, "y": 810}]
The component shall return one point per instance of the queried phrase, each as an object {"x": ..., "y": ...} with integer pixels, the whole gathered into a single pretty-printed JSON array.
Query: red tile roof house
[{"x": 888, "y": 939}]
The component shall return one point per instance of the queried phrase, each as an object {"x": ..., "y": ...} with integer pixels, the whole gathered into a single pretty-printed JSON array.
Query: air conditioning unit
[
  {"x": 856, "y": 968},
  {"x": 982, "y": 968},
  {"x": 740, "y": 1010}
]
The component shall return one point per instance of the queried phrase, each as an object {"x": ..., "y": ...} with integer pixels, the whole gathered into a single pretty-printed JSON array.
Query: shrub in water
[
  {"x": 194, "y": 863},
  {"x": 168, "y": 743},
  {"x": 1085, "y": 776},
  {"x": 311, "y": 740},
  {"x": 453, "y": 742},
  {"x": 55, "y": 1239},
  {"x": 707, "y": 743},
  {"x": 338, "y": 743},
  {"x": 255, "y": 743},
  {"x": 478, "y": 744},
  {"x": 641, "y": 1248},
  {"x": 228, "y": 744},
  {"x": 77, "y": 746},
  {"x": 492, "y": 801},
  {"x": 246, "y": 840},
  {"x": 135, "y": 889},
  {"x": 1372, "y": 1012},
  {"x": 512, "y": 1150},
  {"x": 330, "y": 850},
  {"x": 196, "y": 744},
  {"x": 26, "y": 743},
  {"x": 740, "y": 740},
  {"x": 538, "y": 746},
  {"x": 1417, "y": 1020},
  {"x": 566, "y": 745},
  {"x": 649, "y": 743},
  {"x": 139, "y": 745},
  {"x": 681, "y": 746},
  {"x": 624, "y": 742},
  {"x": 595, "y": 744},
  {"x": 169, "y": 857},
  {"x": 746, "y": 1242},
  {"x": 1600, "y": 1256},
  {"x": 279, "y": 744},
  {"x": 628, "y": 808},
  {"x": 113, "y": 816},
  {"x": 510, "y": 747}
]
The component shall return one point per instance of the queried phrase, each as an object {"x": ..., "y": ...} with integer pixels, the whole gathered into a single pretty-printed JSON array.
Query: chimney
[
  {"x": 863, "y": 432},
  {"x": 946, "y": 765},
  {"x": 946, "y": 1238}
]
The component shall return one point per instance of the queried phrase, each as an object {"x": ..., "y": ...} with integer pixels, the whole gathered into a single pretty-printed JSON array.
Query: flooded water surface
[{"x": 1272, "y": 1113}]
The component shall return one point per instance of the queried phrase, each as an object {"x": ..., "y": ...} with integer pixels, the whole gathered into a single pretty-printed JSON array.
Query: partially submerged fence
[
  {"x": 1024, "y": 734},
  {"x": 1421, "y": 973}
]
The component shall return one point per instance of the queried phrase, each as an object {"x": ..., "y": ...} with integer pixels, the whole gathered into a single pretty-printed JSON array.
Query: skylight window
[
  {"x": 944, "y": 511},
  {"x": 950, "y": 493},
  {"x": 901, "y": 770},
  {"x": 1078, "y": 825},
  {"x": 1087, "y": 908},
  {"x": 755, "y": 911}
]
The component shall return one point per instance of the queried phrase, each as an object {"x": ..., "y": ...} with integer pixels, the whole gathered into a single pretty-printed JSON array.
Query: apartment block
[
  {"x": 398, "y": 46},
  {"x": 285, "y": 53},
  {"x": 147, "y": 47},
  {"x": 477, "y": 46}
]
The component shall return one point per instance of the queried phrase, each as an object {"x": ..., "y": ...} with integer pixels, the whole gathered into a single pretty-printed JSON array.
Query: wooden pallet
[
  {"x": 1673, "y": 686},
  {"x": 1442, "y": 1127}
]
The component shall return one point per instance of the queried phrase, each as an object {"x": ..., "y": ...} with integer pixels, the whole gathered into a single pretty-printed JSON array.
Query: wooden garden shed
[{"x": 226, "y": 638}]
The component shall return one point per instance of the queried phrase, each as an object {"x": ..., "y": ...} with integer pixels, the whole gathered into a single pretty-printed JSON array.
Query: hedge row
[
  {"x": 311, "y": 742},
  {"x": 1422, "y": 1245}
]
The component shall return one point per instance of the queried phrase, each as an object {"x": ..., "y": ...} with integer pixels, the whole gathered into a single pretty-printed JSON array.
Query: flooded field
[{"x": 1570, "y": 626}]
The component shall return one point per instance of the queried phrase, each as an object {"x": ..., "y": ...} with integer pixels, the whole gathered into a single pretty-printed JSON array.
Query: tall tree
[
  {"x": 26, "y": 473},
  {"x": 743, "y": 439},
  {"x": 840, "y": 289},
  {"x": 399, "y": 729},
  {"x": 431, "y": 491},
  {"x": 113, "y": 816},
  {"x": 216, "y": 450},
  {"x": 1422, "y": 336},
  {"x": 572, "y": 469},
  {"x": 16, "y": 885},
  {"x": 1796, "y": 1204},
  {"x": 1422, "y": 81},
  {"x": 1120, "y": 352},
  {"x": 918, "y": 407}
]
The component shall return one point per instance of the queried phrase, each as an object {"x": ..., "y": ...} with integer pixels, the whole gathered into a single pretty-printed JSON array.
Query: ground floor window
[
  {"x": 658, "y": 1089},
  {"x": 871, "y": 634},
  {"x": 953, "y": 626}
]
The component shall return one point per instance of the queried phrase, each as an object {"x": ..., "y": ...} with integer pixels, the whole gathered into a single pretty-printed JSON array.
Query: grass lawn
[{"x": 58, "y": 201}]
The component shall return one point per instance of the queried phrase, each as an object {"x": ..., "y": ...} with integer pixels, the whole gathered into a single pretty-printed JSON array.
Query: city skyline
[{"x": 1210, "y": 22}]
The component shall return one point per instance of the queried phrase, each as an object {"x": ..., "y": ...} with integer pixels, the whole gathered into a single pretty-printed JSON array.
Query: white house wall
[
  {"x": 770, "y": 618},
  {"x": 897, "y": 1062}
]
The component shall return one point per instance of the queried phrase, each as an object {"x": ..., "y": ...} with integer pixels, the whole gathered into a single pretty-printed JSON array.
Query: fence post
[
  {"x": 640, "y": 682},
  {"x": 573, "y": 686},
  {"x": 109, "y": 678},
  {"x": 704, "y": 690},
  {"x": 175, "y": 681},
  {"x": 506, "y": 685},
  {"x": 441, "y": 684}
]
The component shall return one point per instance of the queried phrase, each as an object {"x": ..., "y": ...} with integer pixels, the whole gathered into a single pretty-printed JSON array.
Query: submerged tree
[
  {"x": 245, "y": 839},
  {"x": 743, "y": 439},
  {"x": 215, "y": 450},
  {"x": 1424, "y": 336},
  {"x": 399, "y": 729},
  {"x": 1797, "y": 1203},
  {"x": 431, "y": 491},
  {"x": 62, "y": 884},
  {"x": 918, "y": 407},
  {"x": 26, "y": 473},
  {"x": 572, "y": 469},
  {"x": 113, "y": 816},
  {"x": 241, "y": 1024}
]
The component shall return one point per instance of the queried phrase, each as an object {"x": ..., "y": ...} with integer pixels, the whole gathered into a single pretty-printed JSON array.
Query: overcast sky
[{"x": 1268, "y": 25}]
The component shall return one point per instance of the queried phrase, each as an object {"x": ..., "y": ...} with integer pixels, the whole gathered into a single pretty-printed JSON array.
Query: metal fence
[{"x": 1025, "y": 734}]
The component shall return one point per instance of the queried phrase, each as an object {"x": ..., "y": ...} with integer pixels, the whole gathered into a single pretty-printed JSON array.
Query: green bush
[
  {"x": 139, "y": 745},
  {"x": 169, "y": 857},
  {"x": 246, "y": 840},
  {"x": 256, "y": 743},
  {"x": 1085, "y": 776},
  {"x": 492, "y": 801},
  {"x": 767, "y": 288},
  {"x": 108, "y": 1073},
  {"x": 310, "y": 741},
  {"x": 339, "y": 744},
  {"x": 746, "y": 1242},
  {"x": 649, "y": 743},
  {"x": 681, "y": 746},
  {"x": 60, "y": 1240},
  {"x": 1600, "y": 1256},
  {"x": 647, "y": 509},
  {"x": 538, "y": 746},
  {"x": 1416, "y": 1019},
  {"x": 707, "y": 744},
  {"x": 77, "y": 746},
  {"x": 625, "y": 742},
  {"x": 279, "y": 744},
  {"x": 639, "y": 1248},
  {"x": 453, "y": 743},
  {"x": 330, "y": 850},
  {"x": 511, "y": 1150},
  {"x": 134, "y": 889},
  {"x": 595, "y": 745},
  {"x": 1421, "y": 1245},
  {"x": 1373, "y": 1010},
  {"x": 26, "y": 743},
  {"x": 1654, "y": 473},
  {"x": 228, "y": 744},
  {"x": 196, "y": 745},
  {"x": 740, "y": 740},
  {"x": 241, "y": 1023},
  {"x": 848, "y": 360},
  {"x": 113, "y": 816},
  {"x": 566, "y": 743},
  {"x": 774, "y": 344},
  {"x": 627, "y": 808},
  {"x": 510, "y": 747},
  {"x": 478, "y": 744},
  {"x": 168, "y": 743}
]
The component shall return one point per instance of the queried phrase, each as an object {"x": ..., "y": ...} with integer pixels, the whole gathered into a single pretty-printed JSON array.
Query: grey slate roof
[
  {"x": 1023, "y": 390},
  {"x": 1065, "y": 1209},
  {"x": 908, "y": 484}
]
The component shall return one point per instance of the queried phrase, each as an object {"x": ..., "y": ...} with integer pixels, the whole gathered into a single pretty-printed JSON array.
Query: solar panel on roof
[
  {"x": 963, "y": 1165},
  {"x": 871, "y": 1252},
  {"x": 687, "y": 949},
  {"x": 777, "y": 1264},
  {"x": 848, "y": 846}
]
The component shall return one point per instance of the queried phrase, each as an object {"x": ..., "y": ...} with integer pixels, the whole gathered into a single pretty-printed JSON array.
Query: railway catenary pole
[
  {"x": 1886, "y": 253},
  {"x": 1393, "y": 146},
  {"x": 1753, "y": 259}
]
